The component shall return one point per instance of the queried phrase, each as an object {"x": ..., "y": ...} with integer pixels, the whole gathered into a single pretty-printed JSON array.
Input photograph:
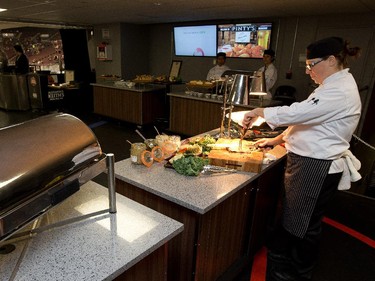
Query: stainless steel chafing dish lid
[{"x": 43, "y": 162}]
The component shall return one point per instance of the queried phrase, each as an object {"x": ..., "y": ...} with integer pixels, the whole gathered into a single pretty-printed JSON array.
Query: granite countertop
[
  {"x": 137, "y": 88},
  {"x": 253, "y": 102},
  {"x": 199, "y": 194},
  {"x": 96, "y": 248}
]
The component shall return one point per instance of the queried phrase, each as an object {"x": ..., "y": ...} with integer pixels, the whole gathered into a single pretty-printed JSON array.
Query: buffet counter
[
  {"x": 141, "y": 104},
  {"x": 128, "y": 245},
  {"x": 225, "y": 216},
  {"x": 14, "y": 94},
  {"x": 191, "y": 115}
]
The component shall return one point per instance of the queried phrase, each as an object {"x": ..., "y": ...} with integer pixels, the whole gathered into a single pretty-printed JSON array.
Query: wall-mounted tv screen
[
  {"x": 245, "y": 40},
  {"x": 197, "y": 40}
]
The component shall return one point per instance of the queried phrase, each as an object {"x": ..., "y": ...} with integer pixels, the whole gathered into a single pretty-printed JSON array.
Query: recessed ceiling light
[{"x": 2, "y": 10}]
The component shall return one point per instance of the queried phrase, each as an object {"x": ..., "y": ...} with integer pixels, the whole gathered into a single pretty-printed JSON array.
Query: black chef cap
[
  {"x": 269, "y": 52},
  {"x": 325, "y": 47}
]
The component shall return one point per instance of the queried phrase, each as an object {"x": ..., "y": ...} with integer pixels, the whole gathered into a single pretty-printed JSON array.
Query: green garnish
[{"x": 189, "y": 165}]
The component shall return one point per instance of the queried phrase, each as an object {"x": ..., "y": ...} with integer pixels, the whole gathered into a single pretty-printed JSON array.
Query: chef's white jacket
[
  {"x": 216, "y": 72},
  {"x": 322, "y": 125},
  {"x": 270, "y": 76}
]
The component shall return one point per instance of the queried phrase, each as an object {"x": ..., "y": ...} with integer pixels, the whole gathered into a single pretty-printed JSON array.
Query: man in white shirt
[
  {"x": 216, "y": 72},
  {"x": 270, "y": 71}
]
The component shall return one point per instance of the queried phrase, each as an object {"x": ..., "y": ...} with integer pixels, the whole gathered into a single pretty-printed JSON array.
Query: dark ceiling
[{"x": 93, "y": 12}]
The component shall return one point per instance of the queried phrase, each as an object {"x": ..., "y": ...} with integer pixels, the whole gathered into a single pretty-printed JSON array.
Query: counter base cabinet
[
  {"x": 181, "y": 249},
  {"x": 151, "y": 268},
  {"x": 191, "y": 117},
  {"x": 217, "y": 244},
  {"x": 14, "y": 92},
  {"x": 130, "y": 106},
  {"x": 266, "y": 205},
  {"x": 222, "y": 239},
  {"x": 210, "y": 243}
]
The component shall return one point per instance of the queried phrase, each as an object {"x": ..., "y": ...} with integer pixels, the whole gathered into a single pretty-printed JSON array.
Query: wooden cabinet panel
[
  {"x": 151, "y": 268},
  {"x": 210, "y": 243},
  {"x": 130, "y": 106},
  {"x": 181, "y": 249},
  {"x": 191, "y": 117},
  {"x": 218, "y": 244},
  {"x": 223, "y": 234},
  {"x": 264, "y": 205}
]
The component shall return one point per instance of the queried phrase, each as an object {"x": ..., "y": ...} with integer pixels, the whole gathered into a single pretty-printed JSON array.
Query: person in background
[
  {"x": 216, "y": 72},
  {"x": 3, "y": 62},
  {"x": 318, "y": 157},
  {"x": 270, "y": 71},
  {"x": 22, "y": 62}
]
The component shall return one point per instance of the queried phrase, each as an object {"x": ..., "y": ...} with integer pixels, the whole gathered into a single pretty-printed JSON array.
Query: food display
[
  {"x": 148, "y": 157},
  {"x": 236, "y": 154},
  {"x": 203, "y": 141},
  {"x": 124, "y": 84},
  {"x": 109, "y": 76},
  {"x": 150, "y": 143},
  {"x": 241, "y": 161},
  {"x": 169, "y": 144},
  {"x": 174, "y": 79},
  {"x": 197, "y": 155},
  {"x": 189, "y": 165},
  {"x": 200, "y": 84},
  {"x": 244, "y": 51},
  {"x": 161, "y": 78},
  {"x": 191, "y": 158},
  {"x": 234, "y": 145},
  {"x": 136, "y": 150},
  {"x": 144, "y": 78},
  {"x": 157, "y": 154}
]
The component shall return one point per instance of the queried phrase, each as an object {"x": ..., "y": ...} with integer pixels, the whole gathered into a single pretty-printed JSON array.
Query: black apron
[{"x": 304, "y": 178}]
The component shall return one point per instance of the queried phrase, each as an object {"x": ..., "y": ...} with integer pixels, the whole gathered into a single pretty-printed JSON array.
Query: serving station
[
  {"x": 140, "y": 104},
  {"x": 225, "y": 215},
  {"x": 14, "y": 92},
  {"x": 55, "y": 224},
  {"x": 191, "y": 115}
]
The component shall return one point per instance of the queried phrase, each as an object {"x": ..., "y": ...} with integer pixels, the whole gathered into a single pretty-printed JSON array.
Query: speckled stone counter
[
  {"x": 199, "y": 194},
  {"x": 221, "y": 213},
  {"x": 146, "y": 87},
  {"x": 97, "y": 248},
  {"x": 253, "y": 103}
]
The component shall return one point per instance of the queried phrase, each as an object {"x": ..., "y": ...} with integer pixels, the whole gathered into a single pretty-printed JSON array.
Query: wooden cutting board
[{"x": 248, "y": 162}]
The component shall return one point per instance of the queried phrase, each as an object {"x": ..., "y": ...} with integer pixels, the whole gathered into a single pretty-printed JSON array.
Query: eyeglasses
[{"x": 311, "y": 65}]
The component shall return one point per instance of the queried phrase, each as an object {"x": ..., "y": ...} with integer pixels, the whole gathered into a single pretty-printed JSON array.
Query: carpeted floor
[{"x": 342, "y": 258}]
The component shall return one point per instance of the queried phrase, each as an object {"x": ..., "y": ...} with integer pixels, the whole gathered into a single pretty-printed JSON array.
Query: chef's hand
[
  {"x": 249, "y": 119},
  {"x": 264, "y": 142},
  {"x": 270, "y": 141}
]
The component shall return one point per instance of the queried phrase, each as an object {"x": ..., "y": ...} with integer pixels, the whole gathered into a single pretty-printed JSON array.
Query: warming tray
[{"x": 44, "y": 161}]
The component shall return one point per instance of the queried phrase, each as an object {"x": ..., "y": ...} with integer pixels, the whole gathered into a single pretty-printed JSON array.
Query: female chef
[{"x": 317, "y": 137}]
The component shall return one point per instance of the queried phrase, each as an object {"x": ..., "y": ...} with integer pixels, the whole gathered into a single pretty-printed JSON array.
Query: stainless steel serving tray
[{"x": 43, "y": 161}]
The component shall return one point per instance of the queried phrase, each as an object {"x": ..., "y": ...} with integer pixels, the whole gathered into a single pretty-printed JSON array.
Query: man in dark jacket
[{"x": 22, "y": 63}]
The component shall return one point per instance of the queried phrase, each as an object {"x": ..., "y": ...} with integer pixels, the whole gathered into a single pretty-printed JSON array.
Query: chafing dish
[{"x": 43, "y": 162}]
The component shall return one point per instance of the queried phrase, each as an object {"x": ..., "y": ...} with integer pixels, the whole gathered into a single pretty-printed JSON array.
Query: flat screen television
[
  {"x": 199, "y": 40},
  {"x": 244, "y": 40}
]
